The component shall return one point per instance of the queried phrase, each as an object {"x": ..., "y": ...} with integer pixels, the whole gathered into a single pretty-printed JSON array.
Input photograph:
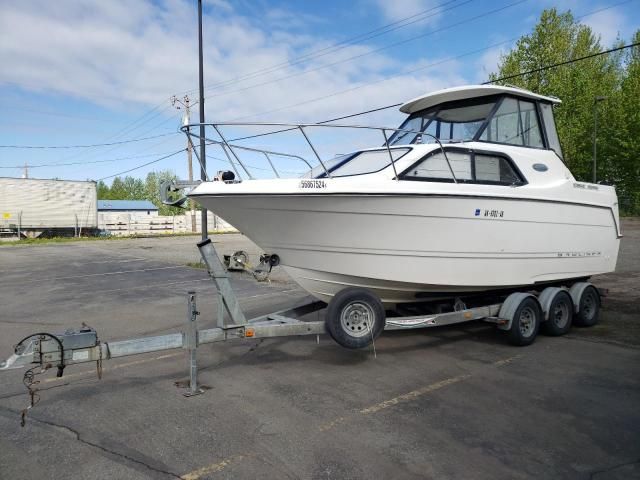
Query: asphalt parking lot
[{"x": 446, "y": 403}]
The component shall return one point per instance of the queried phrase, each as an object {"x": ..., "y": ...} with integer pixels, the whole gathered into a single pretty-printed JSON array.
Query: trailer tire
[
  {"x": 525, "y": 323},
  {"x": 588, "y": 307},
  {"x": 560, "y": 314},
  {"x": 355, "y": 317}
]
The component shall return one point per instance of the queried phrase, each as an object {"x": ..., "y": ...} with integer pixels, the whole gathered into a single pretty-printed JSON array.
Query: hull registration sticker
[
  {"x": 313, "y": 184},
  {"x": 489, "y": 213}
]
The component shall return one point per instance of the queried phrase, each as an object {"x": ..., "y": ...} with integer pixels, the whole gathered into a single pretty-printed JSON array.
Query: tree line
[
  {"x": 131, "y": 188},
  {"x": 607, "y": 86}
]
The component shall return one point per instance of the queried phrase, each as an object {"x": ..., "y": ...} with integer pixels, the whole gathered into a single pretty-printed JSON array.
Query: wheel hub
[
  {"x": 357, "y": 319},
  {"x": 560, "y": 315},
  {"x": 527, "y": 322}
]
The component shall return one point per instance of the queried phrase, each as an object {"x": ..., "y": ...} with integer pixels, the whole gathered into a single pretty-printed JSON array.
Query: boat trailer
[{"x": 42, "y": 351}]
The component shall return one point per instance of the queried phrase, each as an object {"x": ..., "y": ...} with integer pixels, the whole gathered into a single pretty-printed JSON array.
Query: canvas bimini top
[{"x": 466, "y": 92}]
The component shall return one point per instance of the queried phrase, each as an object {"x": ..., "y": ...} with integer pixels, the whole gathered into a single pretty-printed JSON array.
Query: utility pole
[
  {"x": 186, "y": 120},
  {"x": 25, "y": 174},
  {"x": 595, "y": 134},
  {"x": 203, "y": 158}
]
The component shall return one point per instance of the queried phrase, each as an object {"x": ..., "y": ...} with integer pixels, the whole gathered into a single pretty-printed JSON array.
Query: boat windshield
[
  {"x": 358, "y": 163},
  {"x": 449, "y": 124}
]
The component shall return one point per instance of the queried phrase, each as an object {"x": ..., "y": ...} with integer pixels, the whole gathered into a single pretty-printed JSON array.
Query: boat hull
[{"x": 404, "y": 247}]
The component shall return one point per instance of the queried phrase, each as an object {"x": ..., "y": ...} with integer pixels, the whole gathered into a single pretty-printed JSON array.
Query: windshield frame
[{"x": 436, "y": 109}]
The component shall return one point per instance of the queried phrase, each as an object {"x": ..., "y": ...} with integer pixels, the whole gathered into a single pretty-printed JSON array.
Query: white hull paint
[{"x": 401, "y": 246}]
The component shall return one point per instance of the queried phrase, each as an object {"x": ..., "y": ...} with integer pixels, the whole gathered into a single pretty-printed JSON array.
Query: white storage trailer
[{"x": 31, "y": 207}]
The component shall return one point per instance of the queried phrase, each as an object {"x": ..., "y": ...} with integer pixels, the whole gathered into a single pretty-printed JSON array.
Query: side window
[
  {"x": 468, "y": 167},
  {"x": 550, "y": 127},
  {"x": 494, "y": 169},
  {"x": 515, "y": 123},
  {"x": 435, "y": 168},
  {"x": 529, "y": 127}
]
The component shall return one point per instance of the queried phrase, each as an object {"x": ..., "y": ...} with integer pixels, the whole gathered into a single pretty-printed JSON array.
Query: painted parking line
[
  {"x": 213, "y": 468},
  {"x": 410, "y": 396},
  {"x": 407, "y": 397}
]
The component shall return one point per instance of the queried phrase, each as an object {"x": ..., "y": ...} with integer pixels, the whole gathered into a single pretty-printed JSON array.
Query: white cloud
[
  {"x": 608, "y": 24},
  {"x": 122, "y": 53},
  {"x": 488, "y": 62},
  {"x": 396, "y": 10}
]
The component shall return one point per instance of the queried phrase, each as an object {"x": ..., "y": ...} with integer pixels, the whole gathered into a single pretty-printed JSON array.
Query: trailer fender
[
  {"x": 509, "y": 307},
  {"x": 576, "y": 293},
  {"x": 545, "y": 299}
]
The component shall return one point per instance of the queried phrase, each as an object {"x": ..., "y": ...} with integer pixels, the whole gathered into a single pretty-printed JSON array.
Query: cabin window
[
  {"x": 467, "y": 166},
  {"x": 550, "y": 127},
  {"x": 435, "y": 167},
  {"x": 494, "y": 169},
  {"x": 515, "y": 123}
]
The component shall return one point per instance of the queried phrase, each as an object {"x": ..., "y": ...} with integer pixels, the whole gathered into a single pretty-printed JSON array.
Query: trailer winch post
[
  {"x": 191, "y": 344},
  {"x": 220, "y": 277}
]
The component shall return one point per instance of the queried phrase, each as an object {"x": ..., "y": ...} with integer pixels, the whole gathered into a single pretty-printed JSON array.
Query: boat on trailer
[
  {"x": 466, "y": 212},
  {"x": 469, "y": 195}
]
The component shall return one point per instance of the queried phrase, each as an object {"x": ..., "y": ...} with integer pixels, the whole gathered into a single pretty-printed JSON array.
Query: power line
[
  {"x": 411, "y": 71},
  {"x": 84, "y": 163},
  {"x": 371, "y": 52},
  {"x": 319, "y": 123},
  {"x": 88, "y": 146},
  {"x": 143, "y": 165},
  {"x": 130, "y": 126},
  {"x": 385, "y": 79},
  {"x": 566, "y": 62},
  {"x": 335, "y": 47}
]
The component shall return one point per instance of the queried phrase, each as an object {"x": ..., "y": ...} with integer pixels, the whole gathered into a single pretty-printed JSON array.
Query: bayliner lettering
[{"x": 313, "y": 184}]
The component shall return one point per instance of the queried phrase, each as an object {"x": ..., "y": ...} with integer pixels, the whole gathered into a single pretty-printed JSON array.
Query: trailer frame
[{"x": 83, "y": 345}]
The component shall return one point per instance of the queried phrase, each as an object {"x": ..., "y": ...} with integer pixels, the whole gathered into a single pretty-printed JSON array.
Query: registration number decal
[
  {"x": 489, "y": 213},
  {"x": 313, "y": 184}
]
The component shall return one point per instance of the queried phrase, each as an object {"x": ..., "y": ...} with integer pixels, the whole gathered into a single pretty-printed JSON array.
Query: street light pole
[
  {"x": 203, "y": 158},
  {"x": 595, "y": 135}
]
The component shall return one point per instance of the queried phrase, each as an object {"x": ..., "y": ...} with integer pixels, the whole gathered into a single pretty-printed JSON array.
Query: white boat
[{"x": 489, "y": 205}]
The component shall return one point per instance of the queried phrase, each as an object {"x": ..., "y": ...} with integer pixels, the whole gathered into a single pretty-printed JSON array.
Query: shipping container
[{"x": 54, "y": 207}]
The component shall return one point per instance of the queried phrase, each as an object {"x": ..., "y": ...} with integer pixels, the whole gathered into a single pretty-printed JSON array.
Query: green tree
[
  {"x": 556, "y": 38},
  {"x": 134, "y": 189},
  {"x": 628, "y": 176},
  {"x": 104, "y": 192},
  {"x": 117, "y": 190},
  {"x": 152, "y": 191}
]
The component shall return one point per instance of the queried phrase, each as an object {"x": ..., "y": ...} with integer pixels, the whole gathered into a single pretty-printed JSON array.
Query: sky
[{"x": 80, "y": 72}]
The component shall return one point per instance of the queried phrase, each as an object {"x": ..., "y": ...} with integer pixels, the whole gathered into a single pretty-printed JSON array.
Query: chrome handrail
[{"x": 301, "y": 126}]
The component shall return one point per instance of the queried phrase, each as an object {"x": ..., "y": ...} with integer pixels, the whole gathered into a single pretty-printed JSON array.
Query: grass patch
[
  {"x": 195, "y": 265},
  {"x": 47, "y": 241}
]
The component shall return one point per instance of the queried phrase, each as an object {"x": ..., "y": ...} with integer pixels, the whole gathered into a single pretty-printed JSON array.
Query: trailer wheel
[
  {"x": 525, "y": 323},
  {"x": 560, "y": 315},
  {"x": 588, "y": 307},
  {"x": 355, "y": 317}
]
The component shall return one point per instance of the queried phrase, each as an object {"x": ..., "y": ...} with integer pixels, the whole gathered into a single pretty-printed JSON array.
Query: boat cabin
[
  {"x": 500, "y": 117},
  {"x": 485, "y": 113}
]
